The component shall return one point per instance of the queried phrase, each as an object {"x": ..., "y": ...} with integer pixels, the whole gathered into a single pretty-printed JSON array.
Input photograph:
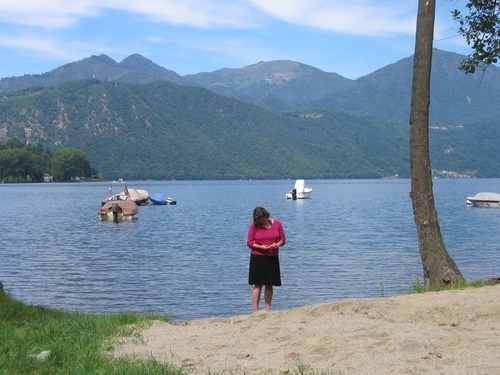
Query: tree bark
[{"x": 439, "y": 267}]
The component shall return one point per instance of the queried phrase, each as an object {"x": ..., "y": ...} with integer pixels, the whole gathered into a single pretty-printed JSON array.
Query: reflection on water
[{"x": 190, "y": 260}]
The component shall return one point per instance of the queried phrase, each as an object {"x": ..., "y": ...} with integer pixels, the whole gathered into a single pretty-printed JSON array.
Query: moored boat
[
  {"x": 484, "y": 199},
  {"x": 300, "y": 191},
  {"x": 118, "y": 210},
  {"x": 161, "y": 199},
  {"x": 138, "y": 196}
]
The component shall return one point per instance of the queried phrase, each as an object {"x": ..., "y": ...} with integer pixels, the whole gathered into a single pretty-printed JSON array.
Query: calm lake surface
[{"x": 191, "y": 261}]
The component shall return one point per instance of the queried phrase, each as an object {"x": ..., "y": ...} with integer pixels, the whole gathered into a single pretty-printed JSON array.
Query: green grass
[
  {"x": 77, "y": 343},
  {"x": 303, "y": 369},
  {"x": 417, "y": 286}
]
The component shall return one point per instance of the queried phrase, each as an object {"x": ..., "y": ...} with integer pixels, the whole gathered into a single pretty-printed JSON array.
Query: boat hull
[
  {"x": 119, "y": 217},
  {"x": 484, "y": 200},
  {"x": 299, "y": 191},
  {"x": 483, "y": 204},
  {"x": 161, "y": 199},
  {"x": 300, "y": 195},
  {"x": 118, "y": 211}
]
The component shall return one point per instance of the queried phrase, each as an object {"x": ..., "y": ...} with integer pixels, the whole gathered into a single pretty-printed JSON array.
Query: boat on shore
[
  {"x": 118, "y": 210},
  {"x": 484, "y": 199},
  {"x": 300, "y": 191}
]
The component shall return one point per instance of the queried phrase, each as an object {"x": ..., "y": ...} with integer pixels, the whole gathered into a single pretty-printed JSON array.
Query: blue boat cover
[{"x": 158, "y": 198}]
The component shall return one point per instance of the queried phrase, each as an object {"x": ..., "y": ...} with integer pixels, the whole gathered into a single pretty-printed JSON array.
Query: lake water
[{"x": 191, "y": 261}]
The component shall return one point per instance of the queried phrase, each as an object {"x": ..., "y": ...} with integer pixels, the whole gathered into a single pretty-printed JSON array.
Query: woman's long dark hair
[{"x": 258, "y": 213}]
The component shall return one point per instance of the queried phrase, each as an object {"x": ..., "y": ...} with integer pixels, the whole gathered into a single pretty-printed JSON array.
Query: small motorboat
[
  {"x": 161, "y": 199},
  {"x": 487, "y": 200},
  {"x": 300, "y": 191},
  {"x": 138, "y": 196},
  {"x": 118, "y": 210},
  {"x": 116, "y": 197}
]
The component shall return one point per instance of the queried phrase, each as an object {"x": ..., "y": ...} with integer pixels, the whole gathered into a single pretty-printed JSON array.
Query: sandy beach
[{"x": 451, "y": 332}]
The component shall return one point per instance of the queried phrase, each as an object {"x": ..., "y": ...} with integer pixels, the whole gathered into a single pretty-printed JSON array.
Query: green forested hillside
[
  {"x": 470, "y": 149},
  {"x": 165, "y": 131}
]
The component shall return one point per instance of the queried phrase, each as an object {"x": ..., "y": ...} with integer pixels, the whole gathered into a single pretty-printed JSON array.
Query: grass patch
[
  {"x": 37, "y": 340},
  {"x": 303, "y": 369},
  {"x": 417, "y": 286}
]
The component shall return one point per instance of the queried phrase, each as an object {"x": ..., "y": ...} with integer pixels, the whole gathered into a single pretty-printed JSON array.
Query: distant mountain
[
  {"x": 456, "y": 97},
  {"x": 133, "y": 69},
  {"x": 275, "y": 85}
]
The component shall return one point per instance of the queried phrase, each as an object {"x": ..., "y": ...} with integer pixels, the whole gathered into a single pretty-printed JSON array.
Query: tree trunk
[{"x": 439, "y": 267}]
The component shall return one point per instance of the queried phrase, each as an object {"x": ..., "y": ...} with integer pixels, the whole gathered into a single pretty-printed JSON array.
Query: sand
[{"x": 451, "y": 332}]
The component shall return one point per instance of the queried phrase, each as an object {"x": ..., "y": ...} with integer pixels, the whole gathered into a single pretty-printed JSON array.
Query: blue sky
[{"x": 349, "y": 37}]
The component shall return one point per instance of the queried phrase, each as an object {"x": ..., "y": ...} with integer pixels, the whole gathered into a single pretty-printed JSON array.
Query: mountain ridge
[
  {"x": 133, "y": 69},
  {"x": 283, "y": 85}
]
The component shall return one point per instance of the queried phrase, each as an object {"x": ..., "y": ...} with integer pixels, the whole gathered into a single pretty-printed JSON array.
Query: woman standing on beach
[{"x": 265, "y": 236}]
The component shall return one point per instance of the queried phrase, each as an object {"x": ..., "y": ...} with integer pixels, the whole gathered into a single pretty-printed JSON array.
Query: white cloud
[
  {"x": 54, "y": 49},
  {"x": 196, "y": 13},
  {"x": 35, "y": 44},
  {"x": 358, "y": 17},
  {"x": 46, "y": 13}
]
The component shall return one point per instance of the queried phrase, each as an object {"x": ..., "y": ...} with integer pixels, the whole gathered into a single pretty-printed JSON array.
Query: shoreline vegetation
[{"x": 452, "y": 331}]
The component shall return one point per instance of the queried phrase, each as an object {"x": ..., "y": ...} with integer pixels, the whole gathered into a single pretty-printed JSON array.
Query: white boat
[
  {"x": 488, "y": 200},
  {"x": 300, "y": 191},
  {"x": 118, "y": 210}
]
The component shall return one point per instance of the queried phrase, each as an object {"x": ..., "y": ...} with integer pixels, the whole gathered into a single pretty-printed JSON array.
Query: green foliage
[
  {"x": 14, "y": 143},
  {"x": 417, "y": 286},
  {"x": 19, "y": 163},
  {"x": 68, "y": 163},
  {"x": 22, "y": 164},
  {"x": 481, "y": 30},
  {"x": 382, "y": 289}
]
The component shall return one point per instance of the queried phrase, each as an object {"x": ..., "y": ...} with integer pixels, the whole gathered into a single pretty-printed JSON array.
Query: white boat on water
[
  {"x": 487, "y": 200},
  {"x": 300, "y": 191}
]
